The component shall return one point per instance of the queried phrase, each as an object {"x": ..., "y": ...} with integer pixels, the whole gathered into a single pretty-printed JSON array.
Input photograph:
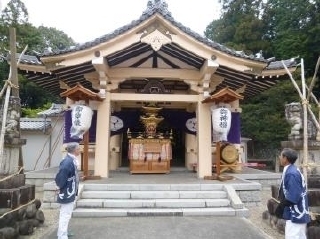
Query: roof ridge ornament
[{"x": 157, "y": 5}]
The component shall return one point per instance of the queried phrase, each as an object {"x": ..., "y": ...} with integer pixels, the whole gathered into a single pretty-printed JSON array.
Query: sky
[{"x": 86, "y": 20}]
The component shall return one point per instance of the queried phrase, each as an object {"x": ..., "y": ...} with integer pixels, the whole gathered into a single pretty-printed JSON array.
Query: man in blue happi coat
[
  {"x": 293, "y": 206},
  {"x": 67, "y": 181}
]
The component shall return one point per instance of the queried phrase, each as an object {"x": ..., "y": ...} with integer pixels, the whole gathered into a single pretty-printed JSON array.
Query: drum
[{"x": 229, "y": 153}]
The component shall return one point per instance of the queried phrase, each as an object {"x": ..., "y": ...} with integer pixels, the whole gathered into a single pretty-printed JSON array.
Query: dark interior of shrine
[{"x": 164, "y": 127}]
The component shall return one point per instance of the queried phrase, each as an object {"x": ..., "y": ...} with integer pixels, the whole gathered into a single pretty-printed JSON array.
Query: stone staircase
[{"x": 123, "y": 200}]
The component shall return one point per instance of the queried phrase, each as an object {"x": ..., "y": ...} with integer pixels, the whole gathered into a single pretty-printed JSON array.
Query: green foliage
[
  {"x": 293, "y": 30},
  {"x": 240, "y": 26},
  {"x": 32, "y": 96},
  {"x": 263, "y": 117},
  {"x": 37, "y": 39},
  {"x": 54, "y": 38},
  {"x": 33, "y": 113},
  {"x": 280, "y": 28},
  {"x": 14, "y": 14}
]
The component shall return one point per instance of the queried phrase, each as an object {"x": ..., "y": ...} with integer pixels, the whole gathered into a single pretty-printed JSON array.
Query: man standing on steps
[
  {"x": 293, "y": 206},
  {"x": 67, "y": 181}
]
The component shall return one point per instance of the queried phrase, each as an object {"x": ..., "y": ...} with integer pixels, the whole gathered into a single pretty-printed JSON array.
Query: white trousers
[
  {"x": 64, "y": 218},
  {"x": 295, "y": 230}
]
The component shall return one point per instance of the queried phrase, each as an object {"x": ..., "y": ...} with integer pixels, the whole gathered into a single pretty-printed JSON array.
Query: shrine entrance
[
  {"x": 178, "y": 149},
  {"x": 165, "y": 128}
]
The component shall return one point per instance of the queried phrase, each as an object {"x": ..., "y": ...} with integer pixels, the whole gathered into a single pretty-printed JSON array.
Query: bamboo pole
[
  {"x": 305, "y": 124},
  {"x": 312, "y": 115},
  {"x": 313, "y": 96},
  {"x": 313, "y": 81},
  {"x": 313, "y": 118},
  {"x": 306, "y": 108},
  {"x": 3, "y": 129}
]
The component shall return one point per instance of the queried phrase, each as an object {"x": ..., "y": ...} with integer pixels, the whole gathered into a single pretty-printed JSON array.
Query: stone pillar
[
  {"x": 204, "y": 139},
  {"x": 102, "y": 151},
  {"x": 10, "y": 159}
]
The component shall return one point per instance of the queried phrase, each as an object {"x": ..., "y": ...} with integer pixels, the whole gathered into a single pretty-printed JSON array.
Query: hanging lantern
[
  {"x": 81, "y": 117},
  {"x": 221, "y": 122}
]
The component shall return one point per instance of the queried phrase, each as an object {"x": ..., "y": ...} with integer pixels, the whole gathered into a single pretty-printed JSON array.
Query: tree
[
  {"x": 289, "y": 23},
  {"x": 37, "y": 39},
  {"x": 263, "y": 118},
  {"x": 239, "y": 26},
  {"x": 14, "y": 14},
  {"x": 280, "y": 28}
]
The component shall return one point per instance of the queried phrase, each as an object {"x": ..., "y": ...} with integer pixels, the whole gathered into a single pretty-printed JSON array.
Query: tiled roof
[
  {"x": 154, "y": 7},
  {"x": 28, "y": 59},
  {"x": 141, "y": 55},
  {"x": 35, "y": 124},
  {"x": 55, "y": 109},
  {"x": 278, "y": 64}
]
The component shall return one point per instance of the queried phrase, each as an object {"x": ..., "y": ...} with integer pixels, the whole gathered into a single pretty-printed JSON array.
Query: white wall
[{"x": 37, "y": 142}]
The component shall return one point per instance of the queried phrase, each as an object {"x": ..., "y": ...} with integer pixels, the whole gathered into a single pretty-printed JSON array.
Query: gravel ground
[
  {"x": 256, "y": 216},
  {"x": 51, "y": 219}
]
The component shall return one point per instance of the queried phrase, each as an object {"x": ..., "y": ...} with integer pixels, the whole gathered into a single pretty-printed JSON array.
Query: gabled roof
[
  {"x": 225, "y": 95},
  {"x": 154, "y": 7},
  {"x": 42, "y": 69},
  {"x": 80, "y": 93}
]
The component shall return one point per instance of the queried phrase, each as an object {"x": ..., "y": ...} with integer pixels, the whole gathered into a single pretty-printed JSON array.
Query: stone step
[
  {"x": 152, "y": 203},
  {"x": 117, "y": 200},
  {"x": 131, "y": 212},
  {"x": 152, "y": 194},
  {"x": 153, "y": 187}
]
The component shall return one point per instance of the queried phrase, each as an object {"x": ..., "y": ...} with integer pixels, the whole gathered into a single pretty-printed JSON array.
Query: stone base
[
  {"x": 313, "y": 154},
  {"x": 298, "y": 144},
  {"x": 12, "y": 182},
  {"x": 15, "y": 197}
]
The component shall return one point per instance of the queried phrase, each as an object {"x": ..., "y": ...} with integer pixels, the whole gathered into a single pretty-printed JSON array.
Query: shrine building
[{"x": 153, "y": 86}]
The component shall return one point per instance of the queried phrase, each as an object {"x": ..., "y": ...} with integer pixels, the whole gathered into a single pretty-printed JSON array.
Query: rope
[
  {"x": 18, "y": 208},
  {"x": 10, "y": 176},
  {"x": 12, "y": 85},
  {"x": 304, "y": 102}
]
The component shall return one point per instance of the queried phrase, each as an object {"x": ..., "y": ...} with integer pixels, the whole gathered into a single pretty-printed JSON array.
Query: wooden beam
[
  {"x": 154, "y": 97},
  {"x": 185, "y": 74}
]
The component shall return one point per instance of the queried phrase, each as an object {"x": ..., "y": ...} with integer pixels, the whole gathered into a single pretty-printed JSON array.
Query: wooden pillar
[
  {"x": 102, "y": 150},
  {"x": 14, "y": 71},
  {"x": 218, "y": 157},
  {"x": 204, "y": 139},
  {"x": 85, "y": 155}
]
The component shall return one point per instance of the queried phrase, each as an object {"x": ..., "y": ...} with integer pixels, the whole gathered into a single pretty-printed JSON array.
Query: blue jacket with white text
[
  {"x": 66, "y": 181},
  {"x": 295, "y": 190}
]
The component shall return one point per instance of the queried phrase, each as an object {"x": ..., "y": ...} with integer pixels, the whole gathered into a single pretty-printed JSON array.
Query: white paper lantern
[
  {"x": 81, "y": 117},
  {"x": 221, "y": 122}
]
